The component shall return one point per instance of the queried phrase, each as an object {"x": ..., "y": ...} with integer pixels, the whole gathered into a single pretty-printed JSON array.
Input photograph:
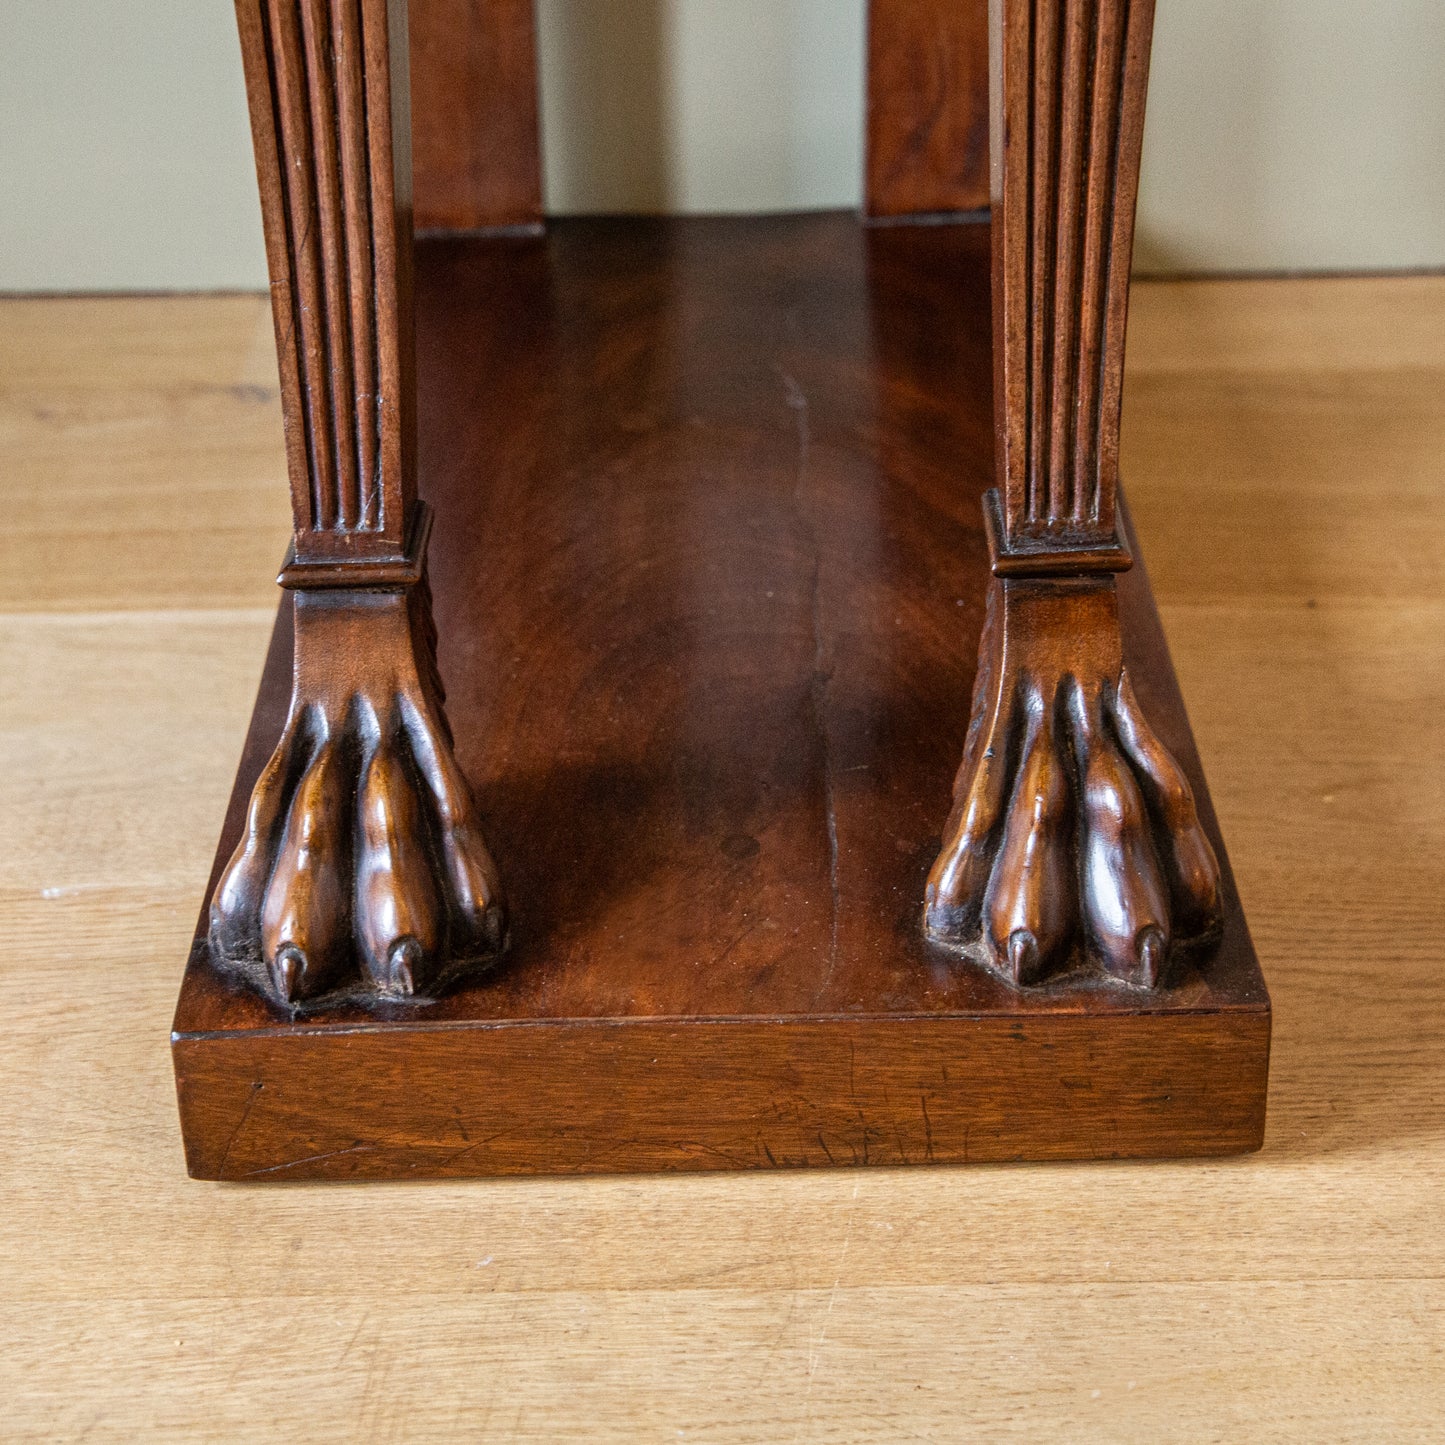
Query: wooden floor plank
[
  {"x": 142, "y": 445},
  {"x": 1294, "y": 1294}
]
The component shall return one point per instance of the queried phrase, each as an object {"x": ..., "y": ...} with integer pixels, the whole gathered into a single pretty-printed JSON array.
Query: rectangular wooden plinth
[
  {"x": 709, "y": 569},
  {"x": 522, "y": 1098}
]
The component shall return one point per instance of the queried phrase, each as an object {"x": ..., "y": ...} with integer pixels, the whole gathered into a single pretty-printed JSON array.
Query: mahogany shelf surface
[{"x": 709, "y": 569}]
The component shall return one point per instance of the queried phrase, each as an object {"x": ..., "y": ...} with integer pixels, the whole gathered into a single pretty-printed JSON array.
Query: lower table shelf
[{"x": 709, "y": 571}]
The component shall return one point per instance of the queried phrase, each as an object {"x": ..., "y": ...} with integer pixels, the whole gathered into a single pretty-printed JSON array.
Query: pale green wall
[
  {"x": 125, "y": 153},
  {"x": 1283, "y": 134},
  {"x": 1295, "y": 134},
  {"x": 701, "y": 105}
]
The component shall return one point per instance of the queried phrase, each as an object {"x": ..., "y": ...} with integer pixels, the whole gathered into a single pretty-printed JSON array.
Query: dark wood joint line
[
  {"x": 1050, "y": 555},
  {"x": 386, "y": 573}
]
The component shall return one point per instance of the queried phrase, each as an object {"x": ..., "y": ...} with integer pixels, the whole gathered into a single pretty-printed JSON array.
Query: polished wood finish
[
  {"x": 360, "y": 883},
  {"x": 734, "y": 608},
  {"x": 329, "y": 99},
  {"x": 1293, "y": 1292},
  {"x": 928, "y": 115},
  {"x": 361, "y": 866},
  {"x": 1074, "y": 841},
  {"x": 1069, "y": 88},
  {"x": 361, "y": 844},
  {"x": 578, "y": 1098},
  {"x": 476, "y": 152}
]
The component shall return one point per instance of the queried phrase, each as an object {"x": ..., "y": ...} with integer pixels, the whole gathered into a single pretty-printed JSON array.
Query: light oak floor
[{"x": 1285, "y": 449}]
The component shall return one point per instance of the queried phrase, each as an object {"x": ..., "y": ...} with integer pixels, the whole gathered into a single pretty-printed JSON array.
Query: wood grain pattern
[
  {"x": 927, "y": 141},
  {"x": 476, "y": 152},
  {"x": 712, "y": 768},
  {"x": 195, "y": 408},
  {"x": 1291, "y": 1293},
  {"x": 578, "y": 1098}
]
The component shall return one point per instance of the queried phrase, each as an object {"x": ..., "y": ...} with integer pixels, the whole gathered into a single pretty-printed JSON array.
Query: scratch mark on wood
[
  {"x": 815, "y": 1352},
  {"x": 472, "y": 1145},
  {"x": 822, "y": 673},
  {"x": 241, "y": 1124},
  {"x": 701, "y": 1148},
  {"x": 311, "y": 1159}
]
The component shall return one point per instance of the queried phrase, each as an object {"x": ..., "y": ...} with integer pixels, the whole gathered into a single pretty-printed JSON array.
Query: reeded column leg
[
  {"x": 362, "y": 869},
  {"x": 1073, "y": 841}
]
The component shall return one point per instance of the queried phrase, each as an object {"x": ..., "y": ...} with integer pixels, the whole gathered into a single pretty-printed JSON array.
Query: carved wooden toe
[
  {"x": 304, "y": 939},
  {"x": 362, "y": 869},
  {"x": 1074, "y": 842},
  {"x": 1125, "y": 902}
]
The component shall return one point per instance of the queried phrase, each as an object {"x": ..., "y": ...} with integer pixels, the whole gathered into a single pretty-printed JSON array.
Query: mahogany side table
[{"x": 595, "y": 813}]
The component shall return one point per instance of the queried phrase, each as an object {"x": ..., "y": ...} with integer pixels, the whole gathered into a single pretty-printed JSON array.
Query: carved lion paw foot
[
  {"x": 1074, "y": 840},
  {"x": 362, "y": 869}
]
